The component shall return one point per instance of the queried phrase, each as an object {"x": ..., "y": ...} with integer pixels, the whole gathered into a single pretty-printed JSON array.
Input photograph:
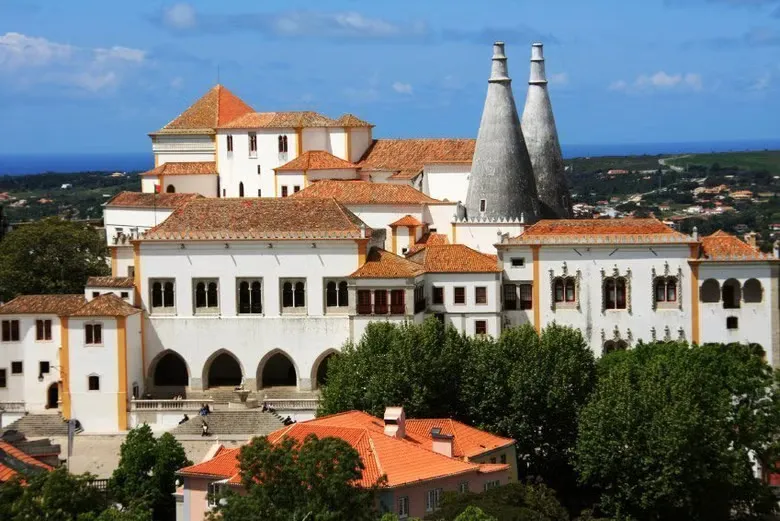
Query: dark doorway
[
  {"x": 53, "y": 396},
  {"x": 224, "y": 371},
  {"x": 279, "y": 371},
  {"x": 171, "y": 371},
  {"x": 322, "y": 371}
]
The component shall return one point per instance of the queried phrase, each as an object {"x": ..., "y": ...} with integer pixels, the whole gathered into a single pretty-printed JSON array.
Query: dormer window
[{"x": 282, "y": 144}]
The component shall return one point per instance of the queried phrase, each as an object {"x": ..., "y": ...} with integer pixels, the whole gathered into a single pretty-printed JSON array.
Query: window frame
[
  {"x": 230, "y": 143},
  {"x": 480, "y": 324},
  {"x": 525, "y": 304},
  {"x": 340, "y": 289},
  {"x": 433, "y": 499},
  {"x": 463, "y": 487},
  {"x": 17, "y": 364},
  {"x": 613, "y": 303},
  {"x": 455, "y": 298},
  {"x": 396, "y": 307},
  {"x": 41, "y": 367},
  {"x": 666, "y": 284},
  {"x": 253, "y": 144},
  {"x": 44, "y": 332},
  {"x": 732, "y": 323},
  {"x": 94, "y": 330},
  {"x": 163, "y": 309},
  {"x": 517, "y": 262},
  {"x": 480, "y": 295},
  {"x": 284, "y": 191},
  {"x": 364, "y": 308},
  {"x": 9, "y": 327},
  {"x": 250, "y": 281},
  {"x": 293, "y": 309},
  {"x": 403, "y": 507},
  {"x": 3, "y": 378},
  {"x": 438, "y": 296},
  {"x": 483, "y": 205},
  {"x": 510, "y": 297},
  {"x": 207, "y": 309}
]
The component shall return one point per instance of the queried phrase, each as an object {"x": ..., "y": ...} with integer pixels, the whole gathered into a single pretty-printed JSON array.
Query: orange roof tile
[
  {"x": 406, "y": 220},
  {"x": 454, "y": 258},
  {"x": 12, "y": 459},
  {"x": 722, "y": 246},
  {"x": 350, "y": 120},
  {"x": 106, "y": 305},
  {"x": 381, "y": 264},
  {"x": 364, "y": 192},
  {"x": 215, "y": 108},
  {"x": 407, "y": 157},
  {"x": 316, "y": 160},
  {"x": 61, "y": 305},
  {"x": 600, "y": 231},
  {"x": 150, "y": 200},
  {"x": 223, "y": 465},
  {"x": 110, "y": 282},
  {"x": 184, "y": 168},
  {"x": 468, "y": 441},
  {"x": 428, "y": 239},
  {"x": 289, "y": 119},
  {"x": 255, "y": 218}
]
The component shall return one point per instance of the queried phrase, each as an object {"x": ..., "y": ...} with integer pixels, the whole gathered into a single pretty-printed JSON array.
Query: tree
[
  {"x": 474, "y": 514},
  {"x": 671, "y": 430},
  {"x": 54, "y": 496},
  {"x": 50, "y": 256},
  {"x": 513, "y": 502},
  {"x": 290, "y": 479},
  {"x": 146, "y": 473}
]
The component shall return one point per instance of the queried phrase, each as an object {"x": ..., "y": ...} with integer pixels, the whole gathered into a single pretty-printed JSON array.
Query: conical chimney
[
  {"x": 541, "y": 137},
  {"x": 501, "y": 185}
]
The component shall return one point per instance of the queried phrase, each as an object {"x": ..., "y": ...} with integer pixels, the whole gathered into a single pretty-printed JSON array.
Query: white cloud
[
  {"x": 120, "y": 53},
  {"x": 762, "y": 83},
  {"x": 402, "y": 88},
  {"x": 18, "y": 50},
  {"x": 619, "y": 85},
  {"x": 560, "y": 78},
  {"x": 659, "y": 81},
  {"x": 180, "y": 16}
]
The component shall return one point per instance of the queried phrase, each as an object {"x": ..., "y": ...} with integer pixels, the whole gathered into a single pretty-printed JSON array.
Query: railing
[
  {"x": 294, "y": 404},
  {"x": 99, "y": 484},
  {"x": 12, "y": 407},
  {"x": 168, "y": 405}
]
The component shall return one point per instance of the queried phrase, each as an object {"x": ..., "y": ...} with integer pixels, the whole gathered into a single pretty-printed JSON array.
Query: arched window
[
  {"x": 558, "y": 290},
  {"x": 565, "y": 289},
  {"x": 212, "y": 295},
  {"x": 610, "y": 346},
  {"x": 241, "y": 189},
  {"x": 331, "y": 295},
  {"x": 200, "y": 295},
  {"x": 752, "y": 291},
  {"x": 571, "y": 291},
  {"x": 343, "y": 294},
  {"x": 710, "y": 291},
  {"x": 282, "y": 144},
  {"x": 615, "y": 293},
  {"x": 157, "y": 295},
  {"x": 666, "y": 289},
  {"x": 731, "y": 294},
  {"x": 256, "y": 297},
  {"x": 300, "y": 295},
  {"x": 244, "y": 305},
  {"x": 171, "y": 189},
  {"x": 287, "y": 295},
  {"x": 168, "y": 300}
]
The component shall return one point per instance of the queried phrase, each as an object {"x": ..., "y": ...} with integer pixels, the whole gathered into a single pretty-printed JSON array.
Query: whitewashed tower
[
  {"x": 501, "y": 185},
  {"x": 541, "y": 137}
]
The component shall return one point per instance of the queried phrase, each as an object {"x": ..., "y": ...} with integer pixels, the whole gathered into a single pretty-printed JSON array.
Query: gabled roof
[
  {"x": 406, "y": 157},
  {"x": 216, "y": 108},
  {"x": 62, "y": 305},
  {"x": 150, "y": 200},
  {"x": 316, "y": 160},
  {"x": 184, "y": 168},
  {"x": 722, "y": 246},
  {"x": 406, "y": 220},
  {"x": 600, "y": 231},
  {"x": 289, "y": 119},
  {"x": 259, "y": 219},
  {"x": 454, "y": 258},
  {"x": 350, "y": 120},
  {"x": 381, "y": 264},
  {"x": 428, "y": 239},
  {"x": 13, "y": 462},
  {"x": 110, "y": 282},
  {"x": 106, "y": 305},
  {"x": 364, "y": 192}
]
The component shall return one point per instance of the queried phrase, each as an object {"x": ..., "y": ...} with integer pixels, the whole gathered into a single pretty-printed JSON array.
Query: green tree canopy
[
  {"x": 474, "y": 514},
  {"x": 50, "y": 256},
  {"x": 513, "y": 502},
  {"x": 291, "y": 479},
  {"x": 671, "y": 431}
]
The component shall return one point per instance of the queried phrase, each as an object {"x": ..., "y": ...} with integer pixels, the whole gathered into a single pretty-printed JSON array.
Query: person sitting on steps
[
  {"x": 205, "y": 429},
  {"x": 184, "y": 420}
]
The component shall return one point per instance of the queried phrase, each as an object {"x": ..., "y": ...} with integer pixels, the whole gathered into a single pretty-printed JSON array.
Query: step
[
  {"x": 228, "y": 423},
  {"x": 36, "y": 425}
]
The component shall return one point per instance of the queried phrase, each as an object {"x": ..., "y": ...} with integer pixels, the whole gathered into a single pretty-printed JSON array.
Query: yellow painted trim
[
  {"x": 156, "y": 160},
  {"x": 216, "y": 154},
  {"x": 65, "y": 367},
  {"x": 299, "y": 141},
  {"x": 138, "y": 303},
  {"x": 537, "y": 289},
  {"x": 394, "y": 239},
  {"x": 305, "y": 179},
  {"x": 454, "y": 234},
  {"x": 348, "y": 142},
  {"x": 276, "y": 185},
  {"x": 121, "y": 395},
  {"x": 695, "y": 318},
  {"x": 412, "y": 231},
  {"x": 362, "y": 245},
  {"x": 114, "y": 254}
]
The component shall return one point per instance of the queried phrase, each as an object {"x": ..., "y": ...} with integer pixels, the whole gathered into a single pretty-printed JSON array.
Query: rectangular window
[
  {"x": 10, "y": 331},
  {"x": 480, "y": 295},
  {"x": 93, "y": 334},
  {"x": 503, "y": 459},
  {"x": 284, "y": 191},
  {"x": 125, "y": 295},
  {"x": 510, "y": 297},
  {"x": 732, "y": 323},
  {"x": 259, "y": 193},
  {"x": 463, "y": 487},
  {"x": 259, "y": 169},
  {"x": 95, "y": 294},
  {"x": 403, "y": 507},
  {"x": 398, "y": 302},
  {"x": 419, "y": 298},
  {"x": 252, "y": 144},
  {"x": 230, "y": 143},
  {"x": 250, "y": 296},
  {"x": 526, "y": 296},
  {"x": 518, "y": 262},
  {"x": 460, "y": 295},
  {"x": 16, "y": 367},
  {"x": 364, "y": 302},
  {"x": 432, "y": 500},
  {"x": 296, "y": 189},
  {"x": 163, "y": 295},
  {"x": 438, "y": 295},
  {"x": 491, "y": 485},
  {"x": 43, "y": 330},
  {"x": 380, "y": 302},
  {"x": 480, "y": 327},
  {"x": 3, "y": 378},
  {"x": 131, "y": 271},
  {"x": 493, "y": 460},
  {"x": 43, "y": 368},
  {"x": 206, "y": 293},
  {"x": 93, "y": 383},
  {"x": 482, "y": 205},
  {"x": 293, "y": 295}
]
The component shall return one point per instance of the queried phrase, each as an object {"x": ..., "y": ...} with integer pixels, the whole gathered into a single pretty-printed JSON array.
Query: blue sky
[{"x": 97, "y": 76}]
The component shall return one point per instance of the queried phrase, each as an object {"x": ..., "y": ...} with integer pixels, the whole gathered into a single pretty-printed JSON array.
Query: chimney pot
[{"x": 395, "y": 422}]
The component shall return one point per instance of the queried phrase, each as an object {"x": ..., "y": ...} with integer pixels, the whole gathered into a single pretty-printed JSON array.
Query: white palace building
[{"x": 261, "y": 242}]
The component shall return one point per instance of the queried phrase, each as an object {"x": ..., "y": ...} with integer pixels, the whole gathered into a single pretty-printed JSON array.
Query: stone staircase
[
  {"x": 40, "y": 425},
  {"x": 231, "y": 423}
]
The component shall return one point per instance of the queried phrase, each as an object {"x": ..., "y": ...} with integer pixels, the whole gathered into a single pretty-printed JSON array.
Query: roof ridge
[{"x": 374, "y": 452}]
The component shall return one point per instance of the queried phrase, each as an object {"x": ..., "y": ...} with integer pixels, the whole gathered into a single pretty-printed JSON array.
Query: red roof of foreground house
[
  {"x": 184, "y": 168},
  {"x": 407, "y": 157},
  {"x": 364, "y": 192},
  {"x": 381, "y": 264},
  {"x": 14, "y": 462},
  {"x": 454, "y": 258},
  {"x": 595, "y": 231},
  {"x": 428, "y": 239},
  {"x": 216, "y": 108},
  {"x": 402, "y": 461},
  {"x": 316, "y": 160},
  {"x": 722, "y": 246}
]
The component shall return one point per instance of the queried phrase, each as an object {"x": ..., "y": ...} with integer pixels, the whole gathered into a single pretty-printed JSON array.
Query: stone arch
[
  {"x": 53, "y": 396},
  {"x": 222, "y": 369},
  {"x": 277, "y": 369},
  {"x": 710, "y": 291},
  {"x": 752, "y": 292},
  {"x": 610, "y": 346},
  {"x": 320, "y": 366},
  {"x": 170, "y": 371},
  {"x": 731, "y": 294},
  {"x": 171, "y": 189}
]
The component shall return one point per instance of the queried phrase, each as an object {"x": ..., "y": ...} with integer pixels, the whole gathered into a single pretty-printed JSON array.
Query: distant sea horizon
[{"x": 24, "y": 164}]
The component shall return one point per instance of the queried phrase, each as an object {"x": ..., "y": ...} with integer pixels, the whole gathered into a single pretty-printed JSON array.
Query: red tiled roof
[
  {"x": 721, "y": 246},
  {"x": 106, "y": 305},
  {"x": 406, "y": 220},
  {"x": 290, "y": 119},
  {"x": 381, "y": 264},
  {"x": 184, "y": 168},
  {"x": 454, "y": 258},
  {"x": 428, "y": 239},
  {"x": 350, "y": 120},
  {"x": 406, "y": 157},
  {"x": 61, "y": 305},
  {"x": 364, "y": 192},
  {"x": 600, "y": 231},
  {"x": 216, "y": 108},
  {"x": 316, "y": 160},
  {"x": 150, "y": 200},
  {"x": 255, "y": 218},
  {"x": 11, "y": 456},
  {"x": 110, "y": 282},
  {"x": 468, "y": 441}
]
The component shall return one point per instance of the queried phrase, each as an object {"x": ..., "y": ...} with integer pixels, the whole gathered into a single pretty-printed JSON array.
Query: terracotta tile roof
[
  {"x": 290, "y": 119},
  {"x": 454, "y": 258},
  {"x": 217, "y": 107},
  {"x": 364, "y": 192},
  {"x": 255, "y": 218},
  {"x": 106, "y": 305},
  {"x": 600, "y": 231},
  {"x": 468, "y": 441},
  {"x": 406, "y": 157},
  {"x": 110, "y": 282},
  {"x": 722, "y": 246},
  {"x": 406, "y": 220},
  {"x": 350, "y": 120},
  {"x": 428, "y": 239},
  {"x": 404, "y": 461},
  {"x": 316, "y": 160},
  {"x": 150, "y": 200},
  {"x": 61, "y": 305},
  {"x": 381, "y": 264},
  {"x": 13, "y": 461},
  {"x": 184, "y": 168}
]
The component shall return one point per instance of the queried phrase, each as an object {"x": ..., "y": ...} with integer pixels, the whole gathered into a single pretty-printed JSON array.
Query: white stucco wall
[
  {"x": 205, "y": 185},
  {"x": 135, "y": 366},
  {"x": 318, "y": 139},
  {"x": 128, "y": 218},
  {"x": 318, "y": 175},
  {"x": 446, "y": 181},
  {"x": 124, "y": 260},
  {"x": 183, "y": 148},
  {"x": 130, "y": 298},
  {"x": 360, "y": 139},
  {"x": 337, "y": 142},
  {"x": 463, "y": 316},
  {"x": 290, "y": 180},
  {"x": 483, "y": 236},
  {"x": 439, "y": 217},
  {"x": 377, "y": 217},
  {"x": 148, "y": 184}
]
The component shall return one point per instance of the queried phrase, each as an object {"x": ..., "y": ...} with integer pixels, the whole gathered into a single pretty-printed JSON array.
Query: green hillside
[{"x": 768, "y": 160}]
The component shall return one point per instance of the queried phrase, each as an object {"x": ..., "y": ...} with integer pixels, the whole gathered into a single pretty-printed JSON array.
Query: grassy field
[
  {"x": 767, "y": 160},
  {"x": 604, "y": 163}
]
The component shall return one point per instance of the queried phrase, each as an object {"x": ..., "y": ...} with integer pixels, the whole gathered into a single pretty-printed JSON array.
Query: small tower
[
  {"x": 541, "y": 138},
  {"x": 501, "y": 185}
]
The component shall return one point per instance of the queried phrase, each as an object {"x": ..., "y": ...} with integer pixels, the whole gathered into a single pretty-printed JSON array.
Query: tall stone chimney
[
  {"x": 541, "y": 137},
  {"x": 501, "y": 185},
  {"x": 395, "y": 422}
]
